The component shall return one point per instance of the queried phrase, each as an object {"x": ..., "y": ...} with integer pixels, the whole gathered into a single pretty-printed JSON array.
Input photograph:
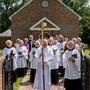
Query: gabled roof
[
  {"x": 57, "y": 0},
  {"x": 37, "y": 27},
  {"x": 6, "y": 33}
]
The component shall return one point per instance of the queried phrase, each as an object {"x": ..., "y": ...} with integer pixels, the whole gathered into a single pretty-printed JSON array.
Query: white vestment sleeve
[
  {"x": 31, "y": 56},
  {"x": 58, "y": 56},
  {"x": 78, "y": 60},
  {"x": 25, "y": 52},
  {"x": 49, "y": 56},
  {"x": 4, "y": 54},
  {"x": 65, "y": 60},
  {"x": 14, "y": 52},
  {"x": 37, "y": 54}
]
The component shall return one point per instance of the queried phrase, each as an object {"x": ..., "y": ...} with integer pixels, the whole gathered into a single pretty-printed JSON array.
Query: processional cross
[{"x": 42, "y": 29}]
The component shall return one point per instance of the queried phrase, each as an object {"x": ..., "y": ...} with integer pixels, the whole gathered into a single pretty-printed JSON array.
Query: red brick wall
[{"x": 56, "y": 12}]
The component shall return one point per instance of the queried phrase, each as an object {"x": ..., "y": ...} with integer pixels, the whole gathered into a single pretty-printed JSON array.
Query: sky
[{"x": 89, "y": 2}]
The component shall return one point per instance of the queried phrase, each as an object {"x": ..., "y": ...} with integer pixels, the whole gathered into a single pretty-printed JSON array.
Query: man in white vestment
[
  {"x": 42, "y": 78},
  {"x": 7, "y": 52}
]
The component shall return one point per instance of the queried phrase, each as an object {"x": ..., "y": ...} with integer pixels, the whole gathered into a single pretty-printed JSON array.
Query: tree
[
  {"x": 83, "y": 9},
  {"x": 85, "y": 25},
  {"x": 86, "y": 36},
  {"x": 76, "y": 5},
  {"x": 7, "y": 8}
]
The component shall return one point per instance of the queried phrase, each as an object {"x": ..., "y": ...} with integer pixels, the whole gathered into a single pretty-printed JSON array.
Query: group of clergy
[{"x": 49, "y": 59}]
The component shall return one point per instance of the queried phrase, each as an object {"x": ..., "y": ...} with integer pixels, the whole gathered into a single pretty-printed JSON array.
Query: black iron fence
[
  {"x": 85, "y": 73},
  {"x": 7, "y": 75}
]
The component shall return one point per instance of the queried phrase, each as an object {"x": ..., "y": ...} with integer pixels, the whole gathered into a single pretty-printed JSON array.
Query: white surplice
[
  {"x": 22, "y": 59},
  {"x": 7, "y": 51},
  {"x": 56, "y": 57},
  {"x": 72, "y": 69},
  {"x": 60, "y": 47},
  {"x": 33, "y": 59},
  {"x": 48, "y": 55}
]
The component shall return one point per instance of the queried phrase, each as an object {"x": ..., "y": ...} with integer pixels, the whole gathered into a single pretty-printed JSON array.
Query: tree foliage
[
  {"x": 76, "y": 5},
  {"x": 83, "y": 9},
  {"x": 7, "y": 8}
]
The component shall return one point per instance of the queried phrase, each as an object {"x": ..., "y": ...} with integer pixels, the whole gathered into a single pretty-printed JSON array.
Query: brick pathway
[{"x": 27, "y": 86}]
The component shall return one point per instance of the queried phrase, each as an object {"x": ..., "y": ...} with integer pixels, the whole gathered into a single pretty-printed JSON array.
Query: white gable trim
[
  {"x": 57, "y": 0},
  {"x": 34, "y": 26},
  {"x": 50, "y": 29},
  {"x": 20, "y": 9},
  {"x": 7, "y": 33},
  {"x": 70, "y": 9}
]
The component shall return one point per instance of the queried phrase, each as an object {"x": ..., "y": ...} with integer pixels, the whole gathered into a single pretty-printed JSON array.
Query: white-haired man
[
  {"x": 8, "y": 50},
  {"x": 44, "y": 56}
]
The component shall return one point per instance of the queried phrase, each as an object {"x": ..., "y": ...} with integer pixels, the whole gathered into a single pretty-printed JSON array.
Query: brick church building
[{"x": 60, "y": 19}]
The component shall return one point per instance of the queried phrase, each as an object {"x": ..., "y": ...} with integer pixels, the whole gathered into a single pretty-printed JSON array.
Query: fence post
[
  {"x": 83, "y": 73},
  {"x": 7, "y": 75},
  {"x": 87, "y": 72}
]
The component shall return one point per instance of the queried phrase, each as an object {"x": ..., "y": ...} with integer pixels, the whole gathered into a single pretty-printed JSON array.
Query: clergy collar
[
  {"x": 20, "y": 45},
  {"x": 71, "y": 49},
  {"x": 8, "y": 47},
  {"x": 51, "y": 45},
  {"x": 60, "y": 41}
]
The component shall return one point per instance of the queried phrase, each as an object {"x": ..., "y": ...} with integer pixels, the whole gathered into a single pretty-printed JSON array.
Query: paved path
[{"x": 27, "y": 86}]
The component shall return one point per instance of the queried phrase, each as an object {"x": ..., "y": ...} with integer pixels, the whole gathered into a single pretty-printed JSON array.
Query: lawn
[
  {"x": 87, "y": 51},
  {"x": 17, "y": 83},
  {"x": 1, "y": 51}
]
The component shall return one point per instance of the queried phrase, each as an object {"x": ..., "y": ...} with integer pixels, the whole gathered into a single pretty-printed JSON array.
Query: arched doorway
[{"x": 45, "y": 35}]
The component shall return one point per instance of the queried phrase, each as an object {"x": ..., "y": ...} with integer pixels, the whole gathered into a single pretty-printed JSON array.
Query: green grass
[
  {"x": 17, "y": 83},
  {"x": 1, "y": 51},
  {"x": 87, "y": 51}
]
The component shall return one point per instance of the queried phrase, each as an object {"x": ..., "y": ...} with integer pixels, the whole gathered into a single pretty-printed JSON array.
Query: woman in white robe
[
  {"x": 72, "y": 65},
  {"x": 22, "y": 56},
  {"x": 6, "y": 53},
  {"x": 43, "y": 82}
]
